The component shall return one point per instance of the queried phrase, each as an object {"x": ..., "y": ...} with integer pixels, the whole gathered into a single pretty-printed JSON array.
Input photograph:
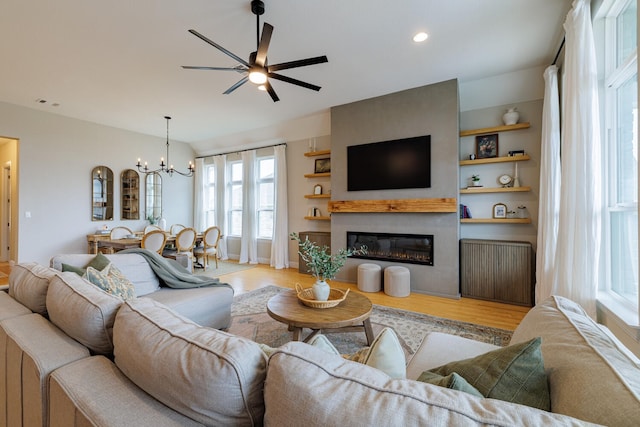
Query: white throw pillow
[{"x": 385, "y": 353}]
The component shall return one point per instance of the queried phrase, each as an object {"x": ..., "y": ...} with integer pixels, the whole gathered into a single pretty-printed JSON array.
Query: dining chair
[
  {"x": 209, "y": 247},
  {"x": 176, "y": 228},
  {"x": 185, "y": 241},
  {"x": 119, "y": 232},
  {"x": 151, "y": 227},
  {"x": 154, "y": 241}
]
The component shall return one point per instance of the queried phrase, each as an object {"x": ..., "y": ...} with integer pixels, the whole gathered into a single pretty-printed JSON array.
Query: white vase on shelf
[
  {"x": 321, "y": 290},
  {"x": 511, "y": 116},
  {"x": 162, "y": 223}
]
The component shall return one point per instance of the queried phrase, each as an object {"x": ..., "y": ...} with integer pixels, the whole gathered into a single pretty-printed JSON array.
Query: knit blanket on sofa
[{"x": 171, "y": 273}]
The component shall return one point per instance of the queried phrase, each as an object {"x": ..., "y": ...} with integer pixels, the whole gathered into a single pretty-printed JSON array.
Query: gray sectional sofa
[{"x": 142, "y": 363}]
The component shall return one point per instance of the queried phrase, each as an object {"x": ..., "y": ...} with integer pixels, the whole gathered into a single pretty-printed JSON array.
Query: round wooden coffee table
[{"x": 350, "y": 315}]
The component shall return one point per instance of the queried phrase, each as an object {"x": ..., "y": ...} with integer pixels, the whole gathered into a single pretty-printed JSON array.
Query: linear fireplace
[{"x": 408, "y": 248}]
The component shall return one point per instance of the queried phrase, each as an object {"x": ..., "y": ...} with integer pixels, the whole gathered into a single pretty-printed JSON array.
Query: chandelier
[{"x": 166, "y": 167}]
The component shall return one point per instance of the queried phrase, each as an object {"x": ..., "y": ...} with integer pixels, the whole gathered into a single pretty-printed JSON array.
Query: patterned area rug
[
  {"x": 224, "y": 267},
  {"x": 250, "y": 320}
]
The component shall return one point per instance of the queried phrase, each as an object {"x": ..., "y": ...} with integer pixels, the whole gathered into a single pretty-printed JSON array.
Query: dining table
[{"x": 136, "y": 242}]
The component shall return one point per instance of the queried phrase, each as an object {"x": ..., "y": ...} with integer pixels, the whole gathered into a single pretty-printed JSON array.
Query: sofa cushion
[
  {"x": 592, "y": 375},
  {"x": 210, "y": 376},
  {"x": 133, "y": 266},
  {"x": 93, "y": 391},
  {"x": 31, "y": 348},
  {"x": 83, "y": 311},
  {"x": 111, "y": 280},
  {"x": 307, "y": 386},
  {"x": 28, "y": 284},
  {"x": 9, "y": 307}
]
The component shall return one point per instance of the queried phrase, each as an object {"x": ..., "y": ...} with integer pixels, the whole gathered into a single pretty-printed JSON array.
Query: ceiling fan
[{"x": 257, "y": 70}]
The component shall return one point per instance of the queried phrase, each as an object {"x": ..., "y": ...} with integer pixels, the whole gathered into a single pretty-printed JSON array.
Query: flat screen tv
[{"x": 390, "y": 165}]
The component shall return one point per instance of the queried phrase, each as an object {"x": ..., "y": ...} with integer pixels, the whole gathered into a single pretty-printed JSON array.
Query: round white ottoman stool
[
  {"x": 397, "y": 281},
  {"x": 369, "y": 277}
]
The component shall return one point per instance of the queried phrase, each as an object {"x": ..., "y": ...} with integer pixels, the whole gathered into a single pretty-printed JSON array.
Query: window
[
  {"x": 210, "y": 196},
  {"x": 265, "y": 187},
  {"x": 621, "y": 146},
  {"x": 234, "y": 183}
]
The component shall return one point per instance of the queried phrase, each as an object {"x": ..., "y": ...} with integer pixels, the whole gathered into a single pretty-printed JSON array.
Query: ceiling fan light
[
  {"x": 257, "y": 77},
  {"x": 420, "y": 37},
  {"x": 262, "y": 87}
]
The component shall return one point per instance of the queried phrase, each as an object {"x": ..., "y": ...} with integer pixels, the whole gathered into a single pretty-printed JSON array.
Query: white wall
[{"x": 56, "y": 156}]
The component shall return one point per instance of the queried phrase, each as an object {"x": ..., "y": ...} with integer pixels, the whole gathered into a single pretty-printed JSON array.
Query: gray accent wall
[{"x": 428, "y": 110}]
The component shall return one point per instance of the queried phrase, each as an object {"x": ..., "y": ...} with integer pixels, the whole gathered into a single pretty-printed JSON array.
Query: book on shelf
[{"x": 464, "y": 211}]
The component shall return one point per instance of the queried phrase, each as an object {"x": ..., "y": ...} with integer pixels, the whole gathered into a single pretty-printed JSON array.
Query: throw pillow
[
  {"x": 111, "y": 280},
  {"x": 99, "y": 262},
  {"x": 385, "y": 353},
  {"x": 452, "y": 381},
  {"x": 514, "y": 374}
]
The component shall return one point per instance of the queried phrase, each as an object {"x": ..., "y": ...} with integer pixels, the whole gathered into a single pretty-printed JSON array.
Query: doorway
[
  {"x": 8, "y": 199},
  {"x": 5, "y": 193}
]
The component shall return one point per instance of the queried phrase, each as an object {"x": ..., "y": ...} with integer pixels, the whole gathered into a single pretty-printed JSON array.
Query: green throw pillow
[
  {"x": 452, "y": 381},
  {"x": 111, "y": 280},
  {"x": 78, "y": 270},
  {"x": 99, "y": 262},
  {"x": 514, "y": 373}
]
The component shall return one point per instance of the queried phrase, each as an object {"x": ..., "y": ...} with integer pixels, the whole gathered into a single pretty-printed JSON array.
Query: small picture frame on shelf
[
  {"x": 323, "y": 165},
  {"x": 317, "y": 189},
  {"x": 499, "y": 211},
  {"x": 487, "y": 146}
]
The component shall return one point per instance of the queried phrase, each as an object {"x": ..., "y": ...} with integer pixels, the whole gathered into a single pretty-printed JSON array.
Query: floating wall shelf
[{"x": 440, "y": 205}]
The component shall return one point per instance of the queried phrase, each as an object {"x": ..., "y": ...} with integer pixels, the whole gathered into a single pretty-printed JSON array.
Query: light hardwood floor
[{"x": 498, "y": 315}]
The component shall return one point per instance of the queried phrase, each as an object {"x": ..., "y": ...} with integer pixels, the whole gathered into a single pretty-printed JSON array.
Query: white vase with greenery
[{"x": 322, "y": 265}]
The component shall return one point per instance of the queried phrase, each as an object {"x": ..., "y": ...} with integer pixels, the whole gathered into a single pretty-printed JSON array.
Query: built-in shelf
[
  {"x": 503, "y": 159},
  {"x": 317, "y": 196},
  {"x": 318, "y": 218},
  {"x": 495, "y": 220},
  {"x": 475, "y": 190},
  {"x": 494, "y": 129},
  {"x": 317, "y": 175},
  {"x": 318, "y": 153},
  {"x": 439, "y": 205}
]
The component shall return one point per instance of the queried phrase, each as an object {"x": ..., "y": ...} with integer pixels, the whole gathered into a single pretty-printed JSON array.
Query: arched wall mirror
[
  {"x": 130, "y": 194},
  {"x": 153, "y": 206},
  {"x": 101, "y": 194}
]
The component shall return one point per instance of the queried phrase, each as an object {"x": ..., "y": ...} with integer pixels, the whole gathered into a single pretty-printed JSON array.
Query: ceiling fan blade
[
  {"x": 237, "y": 85},
  {"x": 265, "y": 38},
  {"x": 299, "y": 63},
  {"x": 220, "y": 48},
  {"x": 294, "y": 81},
  {"x": 193, "y": 67},
  {"x": 272, "y": 92}
]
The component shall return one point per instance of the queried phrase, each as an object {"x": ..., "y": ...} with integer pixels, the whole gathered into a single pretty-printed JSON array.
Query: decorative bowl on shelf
[{"x": 336, "y": 296}]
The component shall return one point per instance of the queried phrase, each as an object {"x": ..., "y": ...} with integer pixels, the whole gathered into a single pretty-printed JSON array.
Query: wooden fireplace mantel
[{"x": 436, "y": 205}]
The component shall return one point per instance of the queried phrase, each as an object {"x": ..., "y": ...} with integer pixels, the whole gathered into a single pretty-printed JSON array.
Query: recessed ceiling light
[{"x": 420, "y": 37}]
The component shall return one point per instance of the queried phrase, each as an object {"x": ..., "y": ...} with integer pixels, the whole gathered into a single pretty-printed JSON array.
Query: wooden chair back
[
  {"x": 154, "y": 240},
  {"x": 119, "y": 233},
  {"x": 186, "y": 240}
]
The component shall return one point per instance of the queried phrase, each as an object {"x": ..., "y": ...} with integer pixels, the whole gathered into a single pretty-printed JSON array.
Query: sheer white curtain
[
  {"x": 220, "y": 165},
  {"x": 199, "y": 182},
  {"x": 550, "y": 176},
  {"x": 578, "y": 249},
  {"x": 249, "y": 239},
  {"x": 280, "y": 242}
]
